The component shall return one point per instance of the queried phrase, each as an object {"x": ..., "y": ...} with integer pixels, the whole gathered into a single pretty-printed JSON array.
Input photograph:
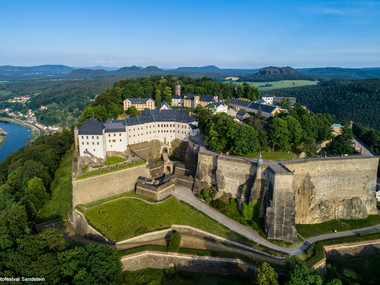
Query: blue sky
[{"x": 240, "y": 34}]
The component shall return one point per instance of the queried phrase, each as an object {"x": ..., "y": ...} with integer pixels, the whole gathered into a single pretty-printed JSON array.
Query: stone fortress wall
[
  {"x": 106, "y": 185},
  {"x": 307, "y": 191},
  {"x": 187, "y": 262}
]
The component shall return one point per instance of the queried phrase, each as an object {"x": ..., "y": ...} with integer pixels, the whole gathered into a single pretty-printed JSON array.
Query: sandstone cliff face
[{"x": 334, "y": 189}]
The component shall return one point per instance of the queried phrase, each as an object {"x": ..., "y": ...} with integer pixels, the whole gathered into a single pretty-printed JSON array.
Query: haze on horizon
[{"x": 228, "y": 34}]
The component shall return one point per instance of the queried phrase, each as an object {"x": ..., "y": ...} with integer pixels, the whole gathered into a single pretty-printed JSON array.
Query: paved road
[
  {"x": 185, "y": 194},
  {"x": 366, "y": 151}
]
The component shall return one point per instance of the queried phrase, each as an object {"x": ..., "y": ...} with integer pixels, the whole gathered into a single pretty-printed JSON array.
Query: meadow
[{"x": 266, "y": 86}]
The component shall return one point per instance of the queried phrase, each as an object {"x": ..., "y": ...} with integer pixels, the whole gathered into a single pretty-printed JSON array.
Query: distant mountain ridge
[
  {"x": 270, "y": 73},
  {"x": 338, "y": 72},
  {"x": 215, "y": 69},
  {"x": 9, "y": 70}
]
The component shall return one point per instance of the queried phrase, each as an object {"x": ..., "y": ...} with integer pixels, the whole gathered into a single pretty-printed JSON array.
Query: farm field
[{"x": 265, "y": 86}]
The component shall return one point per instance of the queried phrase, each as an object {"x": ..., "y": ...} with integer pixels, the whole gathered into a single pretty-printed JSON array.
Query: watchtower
[{"x": 178, "y": 89}]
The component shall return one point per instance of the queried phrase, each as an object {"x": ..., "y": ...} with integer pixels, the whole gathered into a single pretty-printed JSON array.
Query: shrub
[
  {"x": 206, "y": 193},
  {"x": 174, "y": 242},
  {"x": 208, "y": 199},
  {"x": 250, "y": 210},
  {"x": 209, "y": 194},
  {"x": 219, "y": 204}
]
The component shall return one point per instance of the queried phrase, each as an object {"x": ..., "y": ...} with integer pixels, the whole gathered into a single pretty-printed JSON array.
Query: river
[{"x": 17, "y": 138}]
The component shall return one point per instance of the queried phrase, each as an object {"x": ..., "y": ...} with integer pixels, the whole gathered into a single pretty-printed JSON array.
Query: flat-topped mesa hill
[{"x": 273, "y": 73}]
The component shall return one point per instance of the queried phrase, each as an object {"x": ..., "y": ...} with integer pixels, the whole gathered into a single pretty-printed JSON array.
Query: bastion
[{"x": 302, "y": 191}]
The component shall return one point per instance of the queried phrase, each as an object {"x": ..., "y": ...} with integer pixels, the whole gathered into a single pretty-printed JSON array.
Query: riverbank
[
  {"x": 17, "y": 137},
  {"x": 3, "y": 137},
  {"x": 21, "y": 123}
]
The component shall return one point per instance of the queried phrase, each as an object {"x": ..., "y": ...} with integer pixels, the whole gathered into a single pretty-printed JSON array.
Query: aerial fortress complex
[{"x": 298, "y": 191}]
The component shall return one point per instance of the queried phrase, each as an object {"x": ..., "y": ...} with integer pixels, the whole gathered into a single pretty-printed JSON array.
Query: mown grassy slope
[{"x": 126, "y": 218}]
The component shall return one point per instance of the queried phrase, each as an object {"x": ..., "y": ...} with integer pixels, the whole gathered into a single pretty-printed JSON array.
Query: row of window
[
  {"x": 97, "y": 137},
  {"x": 159, "y": 125},
  {"x": 92, "y": 143}
]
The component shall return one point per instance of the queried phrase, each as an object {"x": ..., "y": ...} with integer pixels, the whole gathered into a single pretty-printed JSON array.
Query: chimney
[
  {"x": 362, "y": 150},
  {"x": 189, "y": 113}
]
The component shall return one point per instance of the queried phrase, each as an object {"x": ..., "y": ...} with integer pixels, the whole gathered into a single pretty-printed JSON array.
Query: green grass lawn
[
  {"x": 364, "y": 269},
  {"x": 131, "y": 193},
  {"x": 126, "y": 218},
  {"x": 231, "y": 210},
  {"x": 114, "y": 160},
  {"x": 265, "y": 86},
  {"x": 269, "y": 155},
  {"x": 108, "y": 170},
  {"x": 61, "y": 189},
  {"x": 312, "y": 230},
  {"x": 176, "y": 277}
]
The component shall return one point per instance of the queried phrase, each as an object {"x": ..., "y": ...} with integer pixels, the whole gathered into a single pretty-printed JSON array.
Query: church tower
[{"x": 178, "y": 89}]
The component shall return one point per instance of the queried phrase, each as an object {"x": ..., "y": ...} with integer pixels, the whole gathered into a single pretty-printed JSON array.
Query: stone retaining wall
[
  {"x": 159, "y": 237},
  {"x": 345, "y": 250},
  {"x": 106, "y": 185},
  {"x": 79, "y": 222},
  {"x": 187, "y": 262},
  {"x": 155, "y": 192}
]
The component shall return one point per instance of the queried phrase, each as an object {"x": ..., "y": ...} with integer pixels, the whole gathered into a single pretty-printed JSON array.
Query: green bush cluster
[
  {"x": 208, "y": 194},
  {"x": 174, "y": 243}
]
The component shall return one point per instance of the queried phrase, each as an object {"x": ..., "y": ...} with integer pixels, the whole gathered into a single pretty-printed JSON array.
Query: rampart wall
[
  {"x": 345, "y": 250},
  {"x": 187, "y": 262},
  {"x": 304, "y": 191},
  {"x": 106, "y": 185},
  {"x": 81, "y": 226}
]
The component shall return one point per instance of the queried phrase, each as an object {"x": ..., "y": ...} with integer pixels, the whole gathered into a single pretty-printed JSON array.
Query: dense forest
[
  {"x": 65, "y": 99},
  {"x": 25, "y": 178},
  {"x": 298, "y": 131},
  {"x": 346, "y": 100},
  {"x": 109, "y": 104},
  {"x": 370, "y": 137},
  {"x": 338, "y": 72}
]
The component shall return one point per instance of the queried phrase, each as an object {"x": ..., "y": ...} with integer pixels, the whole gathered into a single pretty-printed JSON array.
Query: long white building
[{"x": 96, "y": 138}]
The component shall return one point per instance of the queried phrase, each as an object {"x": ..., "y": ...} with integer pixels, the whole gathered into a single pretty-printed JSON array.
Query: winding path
[{"x": 185, "y": 194}]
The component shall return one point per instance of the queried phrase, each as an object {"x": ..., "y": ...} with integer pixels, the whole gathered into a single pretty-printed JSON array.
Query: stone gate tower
[{"x": 178, "y": 89}]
